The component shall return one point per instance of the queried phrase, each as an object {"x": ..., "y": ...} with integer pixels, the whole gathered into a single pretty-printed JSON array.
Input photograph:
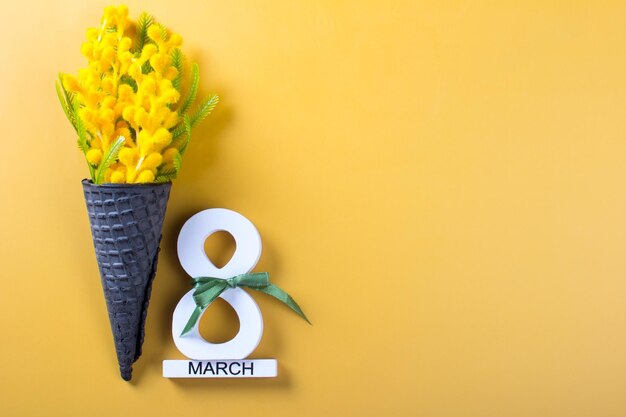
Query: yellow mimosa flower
[
  {"x": 145, "y": 176},
  {"x": 94, "y": 156},
  {"x": 155, "y": 32},
  {"x": 148, "y": 51},
  {"x": 71, "y": 83},
  {"x": 152, "y": 161},
  {"x": 145, "y": 143},
  {"x": 141, "y": 116},
  {"x": 129, "y": 113},
  {"x": 129, "y": 156},
  {"x": 118, "y": 176},
  {"x": 162, "y": 138},
  {"x": 171, "y": 120},
  {"x": 175, "y": 41},
  {"x": 130, "y": 89}
]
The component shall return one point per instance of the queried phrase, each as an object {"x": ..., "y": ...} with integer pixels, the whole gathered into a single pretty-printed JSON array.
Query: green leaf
[
  {"x": 178, "y": 130},
  {"x": 205, "y": 109},
  {"x": 164, "y": 178},
  {"x": 177, "y": 161},
  {"x": 127, "y": 79},
  {"x": 143, "y": 24},
  {"x": 177, "y": 62},
  {"x": 165, "y": 34},
  {"x": 166, "y": 171},
  {"x": 181, "y": 143},
  {"x": 168, "y": 174},
  {"x": 83, "y": 142},
  {"x": 69, "y": 100},
  {"x": 69, "y": 97},
  {"x": 108, "y": 159},
  {"x": 187, "y": 124},
  {"x": 165, "y": 174},
  {"x": 66, "y": 109},
  {"x": 146, "y": 68},
  {"x": 193, "y": 89}
]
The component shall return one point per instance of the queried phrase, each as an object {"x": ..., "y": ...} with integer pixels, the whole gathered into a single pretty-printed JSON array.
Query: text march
[{"x": 244, "y": 368}]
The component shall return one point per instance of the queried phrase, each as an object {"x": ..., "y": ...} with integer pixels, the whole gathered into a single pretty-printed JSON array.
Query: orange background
[{"x": 440, "y": 185}]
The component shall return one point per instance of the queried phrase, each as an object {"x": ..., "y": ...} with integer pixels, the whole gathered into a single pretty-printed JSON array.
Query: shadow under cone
[{"x": 126, "y": 222}]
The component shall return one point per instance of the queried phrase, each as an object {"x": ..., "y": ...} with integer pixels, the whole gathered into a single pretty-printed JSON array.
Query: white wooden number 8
[{"x": 196, "y": 263}]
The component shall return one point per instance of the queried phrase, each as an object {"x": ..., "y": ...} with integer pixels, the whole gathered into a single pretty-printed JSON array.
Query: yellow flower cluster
[{"x": 127, "y": 91}]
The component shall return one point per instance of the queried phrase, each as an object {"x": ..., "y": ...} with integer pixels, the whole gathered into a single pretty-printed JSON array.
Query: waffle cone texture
[{"x": 126, "y": 222}]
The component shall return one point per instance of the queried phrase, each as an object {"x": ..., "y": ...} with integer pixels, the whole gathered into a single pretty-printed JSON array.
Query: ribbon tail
[
  {"x": 193, "y": 319},
  {"x": 281, "y": 295}
]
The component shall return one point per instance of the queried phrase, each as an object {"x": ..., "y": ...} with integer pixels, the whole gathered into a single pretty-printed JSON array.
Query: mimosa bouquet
[{"x": 133, "y": 122}]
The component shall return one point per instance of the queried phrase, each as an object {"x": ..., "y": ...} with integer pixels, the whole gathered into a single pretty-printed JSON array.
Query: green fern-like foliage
[
  {"x": 187, "y": 123},
  {"x": 166, "y": 176},
  {"x": 70, "y": 108},
  {"x": 83, "y": 142},
  {"x": 127, "y": 79},
  {"x": 67, "y": 102},
  {"x": 178, "y": 162},
  {"x": 143, "y": 24},
  {"x": 109, "y": 157},
  {"x": 204, "y": 109},
  {"x": 199, "y": 115},
  {"x": 177, "y": 62},
  {"x": 193, "y": 89},
  {"x": 180, "y": 142},
  {"x": 69, "y": 112},
  {"x": 181, "y": 134}
]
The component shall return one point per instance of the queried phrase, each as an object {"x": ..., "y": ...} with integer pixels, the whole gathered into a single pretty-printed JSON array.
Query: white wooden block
[{"x": 245, "y": 368}]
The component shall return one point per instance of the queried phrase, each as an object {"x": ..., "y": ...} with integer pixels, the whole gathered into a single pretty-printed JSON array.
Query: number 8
[{"x": 196, "y": 263}]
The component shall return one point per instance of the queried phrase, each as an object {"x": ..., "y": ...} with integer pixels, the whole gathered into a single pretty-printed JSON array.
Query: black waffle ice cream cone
[{"x": 126, "y": 222}]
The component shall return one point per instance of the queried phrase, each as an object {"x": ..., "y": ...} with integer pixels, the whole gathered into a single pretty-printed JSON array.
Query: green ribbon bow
[{"x": 209, "y": 288}]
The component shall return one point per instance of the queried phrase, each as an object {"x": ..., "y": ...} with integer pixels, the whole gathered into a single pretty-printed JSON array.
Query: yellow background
[{"x": 439, "y": 184}]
